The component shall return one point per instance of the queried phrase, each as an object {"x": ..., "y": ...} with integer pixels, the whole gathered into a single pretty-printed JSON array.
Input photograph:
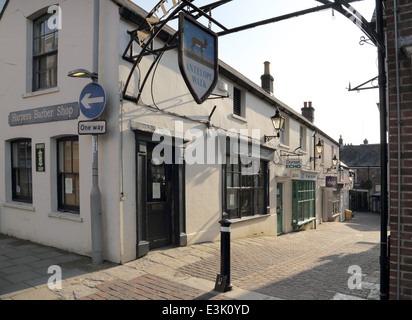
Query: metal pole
[
  {"x": 95, "y": 207},
  {"x": 223, "y": 279},
  {"x": 384, "y": 262},
  {"x": 95, "y": 195}
]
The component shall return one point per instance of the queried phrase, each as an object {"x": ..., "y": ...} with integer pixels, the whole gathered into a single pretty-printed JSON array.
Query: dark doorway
[
  {"x": 160, "y": 200},
  {"x": 159, "y": 203}
]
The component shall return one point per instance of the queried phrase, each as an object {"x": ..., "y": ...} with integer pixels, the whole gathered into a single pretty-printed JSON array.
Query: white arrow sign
[{"x": 86, "y": 101}]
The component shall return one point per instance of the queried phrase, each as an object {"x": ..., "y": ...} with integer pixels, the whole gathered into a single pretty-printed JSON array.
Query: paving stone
[{"x": 311, "y": 265}]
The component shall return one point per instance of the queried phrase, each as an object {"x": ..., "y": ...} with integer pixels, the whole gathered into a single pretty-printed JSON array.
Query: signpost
[
  {"x": 92, "y": 103},
  {"x": 92, "y": 127},
  {"x": 92, "y": 100}
]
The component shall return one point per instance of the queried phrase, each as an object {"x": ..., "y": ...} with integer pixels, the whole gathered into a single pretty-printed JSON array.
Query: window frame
[
  {"x": 303, "y": 201},
  {"x": 38, "y": 35},
  {"x": 62, "y": 206},
  {"x": 17, "y": 169},
  {"x": 239, "y": 101},
  {"x": 284, "y": 137},
  {"x": 302, "y": 138},
  {"x": 233, "y": 168}
]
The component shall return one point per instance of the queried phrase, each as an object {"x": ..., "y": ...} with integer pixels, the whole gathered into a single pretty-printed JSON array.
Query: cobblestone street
[{"x": 304, "y": 265}]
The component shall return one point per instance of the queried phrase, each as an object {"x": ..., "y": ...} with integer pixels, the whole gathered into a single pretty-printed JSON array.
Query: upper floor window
[
  {"x": 21, "y": 159},
  {"x": 238, "y": 102},
  {"x": 283, "y": 139},
  {"x": 45, "y": 45},
  {"x": 302, "y": 138}
]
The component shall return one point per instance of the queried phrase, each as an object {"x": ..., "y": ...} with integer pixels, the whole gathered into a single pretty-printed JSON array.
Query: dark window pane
[
  {"x": 45, "y": 43},
  {"x": 246, "y": 202},
  {"x": 22, "y": 171},
  {"x": 68, "y": 174},
  {"x": 237, "y": 109}
]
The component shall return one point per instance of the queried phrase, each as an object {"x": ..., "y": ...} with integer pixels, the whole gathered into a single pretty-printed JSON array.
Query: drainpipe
[
  {"x": 384, "y": 263},
  {"x": 395, "y": 14}
]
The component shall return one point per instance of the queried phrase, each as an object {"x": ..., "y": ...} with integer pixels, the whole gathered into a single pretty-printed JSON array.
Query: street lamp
[
  {"x": 278, "y": 121},
  {"x": 335, "y": 161},
  {"x": 83, "y": 73},
  {"x": 319, "y": 149}
]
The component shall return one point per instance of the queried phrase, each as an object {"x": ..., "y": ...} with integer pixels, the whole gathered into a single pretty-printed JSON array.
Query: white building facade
[{"x": 46, "y": 168}]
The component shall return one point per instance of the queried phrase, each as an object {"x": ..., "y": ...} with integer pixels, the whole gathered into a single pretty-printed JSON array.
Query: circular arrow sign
[{"x": 92, "y": 100}]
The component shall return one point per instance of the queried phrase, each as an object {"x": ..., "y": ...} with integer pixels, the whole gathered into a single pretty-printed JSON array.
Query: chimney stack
[
  {"x": 267, "y": 79},
  {"x": 365, "y": 141},
  {"x": 341, "y": 140},
  {"x": 308, "y": 111}
]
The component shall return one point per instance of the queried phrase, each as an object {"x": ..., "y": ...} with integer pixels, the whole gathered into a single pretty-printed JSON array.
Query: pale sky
[{"x": 313, "y": 58}]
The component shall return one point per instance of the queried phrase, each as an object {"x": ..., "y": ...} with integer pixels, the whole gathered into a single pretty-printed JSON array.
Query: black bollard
[{"x": 223, "y": 279}]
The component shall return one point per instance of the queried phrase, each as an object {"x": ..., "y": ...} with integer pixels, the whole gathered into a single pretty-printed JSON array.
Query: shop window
[
  {"x": 21, "y": 159},
  {"x": 336, "y": 203},
  {"x": 68, "y": 174},
  {"x": 245, "y": 194},
  {"x": 303, "y": 201},
  {"x": 45, "y": 45}
]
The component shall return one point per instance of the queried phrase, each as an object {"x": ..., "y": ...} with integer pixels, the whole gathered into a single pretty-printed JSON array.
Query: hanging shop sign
[
  {"x": 68, "y": 111},
  {"x": 198, "y": 57},
  {"x": 40, "y": 157},
  {"x": 331, "y": 182},
  {"x": 293, "y": 164}
]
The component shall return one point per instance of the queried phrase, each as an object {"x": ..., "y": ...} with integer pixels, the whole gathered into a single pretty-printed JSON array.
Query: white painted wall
[{"x": 117, "y": 164}]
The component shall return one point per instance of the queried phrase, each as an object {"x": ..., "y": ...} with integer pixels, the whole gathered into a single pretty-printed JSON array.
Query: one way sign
[{"x": 92, "y": 100}]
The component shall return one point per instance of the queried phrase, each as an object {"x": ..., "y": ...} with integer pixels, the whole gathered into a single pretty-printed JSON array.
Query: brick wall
[{"x": 405, "y": 179}]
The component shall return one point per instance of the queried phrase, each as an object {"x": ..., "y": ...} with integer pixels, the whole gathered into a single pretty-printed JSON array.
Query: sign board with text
[
  {"x": 294, "y": 164},
  {"x": 92, "y": 127},
  {"x": 40, "y": 157},
  {"x": 331, "y": 182},
  {"x": 67, "y": 111}
]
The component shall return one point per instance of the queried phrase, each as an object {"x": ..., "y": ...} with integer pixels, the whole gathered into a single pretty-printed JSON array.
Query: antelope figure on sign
[{"x": 197, "y": 43}]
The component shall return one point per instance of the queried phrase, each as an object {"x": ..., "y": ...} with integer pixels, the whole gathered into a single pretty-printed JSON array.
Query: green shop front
[{"x": 303, "y": 199}]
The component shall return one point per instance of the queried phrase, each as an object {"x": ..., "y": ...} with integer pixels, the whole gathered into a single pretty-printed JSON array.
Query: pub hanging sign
[{"x": 198, "y": 57}]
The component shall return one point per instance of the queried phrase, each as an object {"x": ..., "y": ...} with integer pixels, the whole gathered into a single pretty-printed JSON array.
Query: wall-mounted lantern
[
  {"x": 319, "y": 149},
  {"x": 278, "y": 121}
]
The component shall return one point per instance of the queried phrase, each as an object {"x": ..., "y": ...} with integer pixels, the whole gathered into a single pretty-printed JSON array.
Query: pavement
[{"x": 335, "y": 261}]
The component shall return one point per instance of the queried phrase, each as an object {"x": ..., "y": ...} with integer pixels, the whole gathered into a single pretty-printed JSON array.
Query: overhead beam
[{"x": 277, "y": 19}]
